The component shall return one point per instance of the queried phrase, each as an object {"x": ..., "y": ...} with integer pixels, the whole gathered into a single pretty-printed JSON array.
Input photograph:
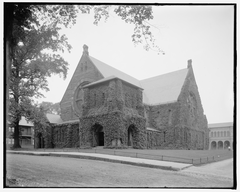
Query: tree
[
  {"x": 34, "y": 47},
  {"x": 33, "y": 44},
  {"x": 50, "y": 107}
]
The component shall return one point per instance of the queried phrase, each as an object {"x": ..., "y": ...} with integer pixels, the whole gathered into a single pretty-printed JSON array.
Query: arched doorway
[
  {"x": 130, "y": 135},
  {"x": 39, "y": 141},
  {"x": 213, "y": 145},
  {"x": 98, "y": 135},
  {"x": 220, "y": 145},
  {"x": 226, "y": 144}
]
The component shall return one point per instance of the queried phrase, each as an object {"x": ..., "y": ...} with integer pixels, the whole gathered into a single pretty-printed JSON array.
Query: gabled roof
[
  {"x": 107, "y": 71},
  {"x": 156, "y": 90},
  {"x": 218, "y": 125},
  {"x": 24, "y": 122},
  {"x": 163, "y": 88},
  {"x": 52, "y": 118}
]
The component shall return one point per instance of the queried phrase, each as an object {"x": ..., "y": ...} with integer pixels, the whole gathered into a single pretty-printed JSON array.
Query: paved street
[
  {"x": 222, "y": 168},
  {"x": 45, "y": 171}
]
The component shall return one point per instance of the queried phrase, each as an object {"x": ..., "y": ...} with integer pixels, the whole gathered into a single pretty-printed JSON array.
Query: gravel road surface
[{"x": 46, "y": 171}]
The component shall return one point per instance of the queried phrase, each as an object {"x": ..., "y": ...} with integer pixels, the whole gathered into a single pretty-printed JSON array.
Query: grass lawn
[
  {"x": 184, "y": 156},
  {"x": 196, "y": 157}
]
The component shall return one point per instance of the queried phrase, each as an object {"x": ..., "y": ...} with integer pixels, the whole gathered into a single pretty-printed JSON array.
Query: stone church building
[{"x": 103, "y": 106}]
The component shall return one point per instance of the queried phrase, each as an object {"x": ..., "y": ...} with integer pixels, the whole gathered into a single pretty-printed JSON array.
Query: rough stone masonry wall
[
  {"x": 191, "y": 114},
  {"x": 105, "y": 105},
  {"x": 85, "y": 71},
  {"x": 164, "y": 118},
  {"x": 66, "y": 135},
  {"x": 182, "y": 124}
]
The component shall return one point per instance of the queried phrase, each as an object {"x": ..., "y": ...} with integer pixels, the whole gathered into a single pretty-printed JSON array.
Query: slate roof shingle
[{"x": 156, "y": 90}]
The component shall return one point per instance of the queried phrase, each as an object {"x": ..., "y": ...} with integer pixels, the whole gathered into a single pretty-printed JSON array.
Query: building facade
[
  {"x": 221, "y": 136},
  {"x": 103, "y": 106},
  {"x": 26, "y": 135}
]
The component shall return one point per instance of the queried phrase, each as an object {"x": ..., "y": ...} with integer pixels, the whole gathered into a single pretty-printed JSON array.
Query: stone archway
[
  {"x": 131, "y": 133},
  {"x": 213, "y": 145},
  {"x": 220, "y": 145},
  {"x": 39, "y": 143},
  {"x": 98, "y": 135},
  {"x": 226, "y": 144}
]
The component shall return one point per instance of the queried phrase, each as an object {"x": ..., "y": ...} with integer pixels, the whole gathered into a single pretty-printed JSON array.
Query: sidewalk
[{"x": 110, "y": 158}]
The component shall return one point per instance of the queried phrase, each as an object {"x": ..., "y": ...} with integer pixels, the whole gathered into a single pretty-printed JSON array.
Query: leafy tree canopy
[
  {"x": 49, "y": 107},
  {"x": 35, "y": 45}
]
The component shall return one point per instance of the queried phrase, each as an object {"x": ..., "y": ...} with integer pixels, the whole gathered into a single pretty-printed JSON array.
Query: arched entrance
[
  {"x": 39, "y": 141},
  {"x": 213, "y": 145},
  {"x": 220, "y": 145},
  {"x": 130, "y": 135},
  {"x": 226, "y": 144},
  {"x": 98, "y": 135}
]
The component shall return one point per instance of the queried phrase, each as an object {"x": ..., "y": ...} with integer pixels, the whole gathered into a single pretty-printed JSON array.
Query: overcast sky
[{"x": 201, "y": 33}]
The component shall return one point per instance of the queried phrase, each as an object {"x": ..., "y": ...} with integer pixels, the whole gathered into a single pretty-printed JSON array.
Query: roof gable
[
  {"x": 107, "y": 71},
  {"x": 163, "y": 88},
  {"x": 52, "y": 118},
  {"x": 24, "y": 122},
  {"x": 156, "y": 90}
]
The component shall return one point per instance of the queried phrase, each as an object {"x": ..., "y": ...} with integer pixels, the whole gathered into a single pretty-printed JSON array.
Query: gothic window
[
  {"x": 86, "y": 66},
  {"x": 103, "y": 98},
  {"x": 192, "y": 105},
  {"x": 62, "y": 135},
  {"x": 57, "y": 136},
  {"x": 170, "y": 117},
  {"x": 95, "y": 99}
]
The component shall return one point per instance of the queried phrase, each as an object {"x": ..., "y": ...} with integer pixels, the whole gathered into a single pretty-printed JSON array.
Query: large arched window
[{"x": 79, "y": 98}]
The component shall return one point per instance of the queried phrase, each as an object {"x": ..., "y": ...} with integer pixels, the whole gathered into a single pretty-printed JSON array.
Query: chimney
[
  {"x": 189, "y": 63},
  {"x": 85, "y": 50}
]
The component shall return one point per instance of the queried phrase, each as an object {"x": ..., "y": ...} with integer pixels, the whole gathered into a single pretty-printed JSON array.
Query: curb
[{"x": 98, "y": 159}]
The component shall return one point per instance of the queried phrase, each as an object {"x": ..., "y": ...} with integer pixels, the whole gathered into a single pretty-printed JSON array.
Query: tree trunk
[
  {"x": 8, "y": 19},
  {"x": 16, "y": 135}
]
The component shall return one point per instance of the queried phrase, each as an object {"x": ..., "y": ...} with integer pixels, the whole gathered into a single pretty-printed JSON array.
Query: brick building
[{"x": 103, "y": 106}]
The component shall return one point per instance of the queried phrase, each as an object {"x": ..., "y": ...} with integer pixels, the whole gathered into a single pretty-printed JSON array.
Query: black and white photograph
[{"x": 119, "y": 95}]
